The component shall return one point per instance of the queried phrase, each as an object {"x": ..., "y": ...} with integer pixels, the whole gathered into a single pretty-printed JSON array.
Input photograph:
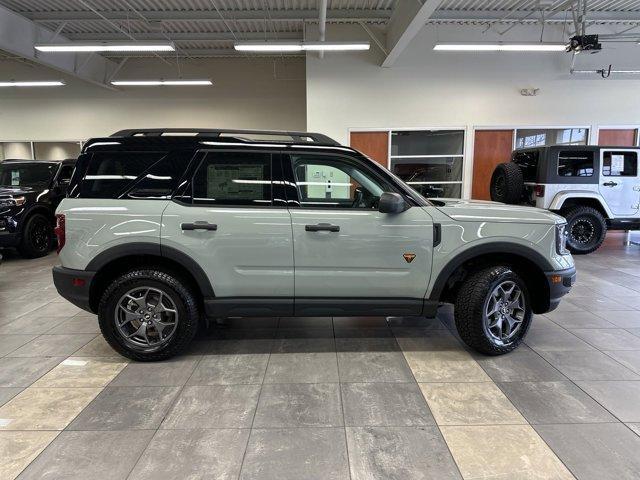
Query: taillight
[
  {"x": 539, "y": 190},
  {"x": 60, "y": 231}
]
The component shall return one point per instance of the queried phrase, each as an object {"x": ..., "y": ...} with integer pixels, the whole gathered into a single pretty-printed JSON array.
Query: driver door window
[{"x": 335, "y": 182}]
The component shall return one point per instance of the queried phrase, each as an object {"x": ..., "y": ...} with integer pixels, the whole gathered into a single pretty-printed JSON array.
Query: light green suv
[{"x": 163, "y": 228}]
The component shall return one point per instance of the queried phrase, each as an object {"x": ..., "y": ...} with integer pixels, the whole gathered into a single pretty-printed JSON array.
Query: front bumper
[
  {"x": 560, "y": 283},
  {"x": 74, "y": 285}
]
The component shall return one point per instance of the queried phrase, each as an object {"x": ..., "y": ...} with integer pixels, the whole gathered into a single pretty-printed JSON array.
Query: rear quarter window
[{"x": 574, "y": 163}]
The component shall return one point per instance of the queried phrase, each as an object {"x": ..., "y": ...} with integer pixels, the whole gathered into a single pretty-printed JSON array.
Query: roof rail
[{"x": 302, "y": 137}]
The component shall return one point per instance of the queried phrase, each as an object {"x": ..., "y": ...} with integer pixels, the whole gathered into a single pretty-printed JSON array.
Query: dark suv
[{"x": 30, "y": 191}]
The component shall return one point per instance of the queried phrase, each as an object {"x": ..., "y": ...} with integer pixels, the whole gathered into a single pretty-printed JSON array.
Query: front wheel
[
  {"x": 37, "y": 237},
  {"x": 493, "y": 310},
  {"x": 148, "y": 315}
]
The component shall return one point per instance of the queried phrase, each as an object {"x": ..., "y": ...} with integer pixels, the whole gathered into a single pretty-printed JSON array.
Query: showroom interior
[{"x": 439, "y": 93}]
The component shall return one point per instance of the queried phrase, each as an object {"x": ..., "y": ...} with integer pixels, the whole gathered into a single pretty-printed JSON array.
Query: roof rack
[{"x": 301, "y": 137}]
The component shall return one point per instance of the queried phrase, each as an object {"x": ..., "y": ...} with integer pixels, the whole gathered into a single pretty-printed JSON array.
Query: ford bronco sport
[
  {"x": 30, "y": 191},
  {"x": 595, "y": 188},
  {"x": 161, "y": 229}
]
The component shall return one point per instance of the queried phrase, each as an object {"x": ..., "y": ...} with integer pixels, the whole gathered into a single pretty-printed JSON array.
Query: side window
[
  {"x": 161, "y": 179},
  {"x": 325, "y": 181},
  {"x": 108, "y": 174},
  {"x": 620, "y": 164},
  {"x": 64, "y": 176},
  {"x": 573, "y": 163},
  {"x": 234, "y": 178}
]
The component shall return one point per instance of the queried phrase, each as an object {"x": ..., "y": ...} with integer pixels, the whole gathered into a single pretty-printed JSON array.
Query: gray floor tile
[
  {"x": 578, "y": 320},
  {"x": 595, "y": 452},
  {"x": 57, "y": 309},
  {"x": 609, "y": 339},
  {"x": 385, "y": 404},
  {"x": 359, "y": 322},
  {"x": 78, "y": 324},
  {"x": 619, "y": 397},
  {"x": 371, "y": 360},
  {"x": 635, "y": 427},
  {"x": 628, "y": 358},
  {"x": 306, "y": 322},
  {"x": 31, "y": 325},
  {"x": 126, "y": 408},
  {"x": 230, "y": 369},
  {"x": 546, "y": 336},
  {"x": 308, "y": 333},
  {"x": 214, "y": 406},
  {"x": 7, "y": 393},
  {"x": 598, "y": 302},
  {"x": 521, "y": 365},
  {"x": 9, "y": 343},
  {"x": 554, "y": 402},
  {"x": 173, "y": 372},
  {"x": 591, "y": 365},
  {"x": 313, "y": 367},
  {"x": 22, "y": 372},
  {"x": 634, "y": 331},
  {"x": 299, "y": 405},
  {"x": 89, "y": 455},
  {"x": 192, "y": 454},
  {"x": 399, "y": 453},
  {"x": 625, "y": 319},
  {"x": 53, "y": 345},
  {"x": 297, "y": 453},
  {"x": 417, "y": 322}
]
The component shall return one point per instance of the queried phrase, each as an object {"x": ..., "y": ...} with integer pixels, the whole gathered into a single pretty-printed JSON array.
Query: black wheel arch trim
[
  {"x": 486, "y": 249},
  {"x": 155, "y": 249}
]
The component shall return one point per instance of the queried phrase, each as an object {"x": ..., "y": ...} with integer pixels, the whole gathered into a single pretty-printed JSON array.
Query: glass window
[
  {"x": 161, "y": 179},
  {"x": 575, "y": 164},
  {"x": 427, "y": 142},
  {"x": 540, "y": 137},
  {"x": 65, "y": 174},
  {"x": 111, "y": 173},
  {"x": 620, "y": 164},
  {"x": 35, "y": 175},
  {"x": 336, "y": 182},
  {"x": 528, "y": 163},
  {"x": 228, "y": 178}
]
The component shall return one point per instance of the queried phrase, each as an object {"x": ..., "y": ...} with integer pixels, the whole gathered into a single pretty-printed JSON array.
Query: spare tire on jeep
[{"x": 507, "y": 183}]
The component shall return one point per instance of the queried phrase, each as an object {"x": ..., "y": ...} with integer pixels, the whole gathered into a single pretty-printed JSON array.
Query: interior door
[
  {"x": 621, "y": 137},
  {"x": 343, "y": 246},
  {"x": 491, "y": 147},
  {"x": 232, "y": 226},
  {"x": 619, "y": 182},
  {"x": 375, "y": 145}
]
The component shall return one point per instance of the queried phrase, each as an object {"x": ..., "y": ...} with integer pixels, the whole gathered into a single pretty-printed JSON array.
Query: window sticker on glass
[
  {"x": 15, "y": 177},
  {"x": 617, "y": 164},
  {"x": 235, "y": 181}
]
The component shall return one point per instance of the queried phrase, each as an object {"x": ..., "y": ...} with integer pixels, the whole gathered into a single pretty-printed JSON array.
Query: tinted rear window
[
  {"x": 528, "y": 162},
  {"x": 574, "y": 163}
]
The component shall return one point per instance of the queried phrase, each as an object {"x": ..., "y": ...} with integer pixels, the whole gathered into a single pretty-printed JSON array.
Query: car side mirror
[{"x": 392, "y": 203}]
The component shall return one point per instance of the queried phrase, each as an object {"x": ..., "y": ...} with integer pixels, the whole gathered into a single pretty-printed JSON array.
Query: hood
[
  {"x": 15, "y": 191},
  {"x": 482, "y": 211}
]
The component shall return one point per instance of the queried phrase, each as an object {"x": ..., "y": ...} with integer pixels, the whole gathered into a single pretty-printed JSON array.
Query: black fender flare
[
  {"x": 154, "y": 249},
  {"x": 495, "y": 248}
]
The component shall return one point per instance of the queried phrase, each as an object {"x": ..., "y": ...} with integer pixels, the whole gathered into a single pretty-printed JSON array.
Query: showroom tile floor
[{"x": 326, "y": 398}]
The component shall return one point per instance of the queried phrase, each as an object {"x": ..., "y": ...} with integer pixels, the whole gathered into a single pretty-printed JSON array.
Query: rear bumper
[
  {"x": 560, "y": 283},
  {"x": 74, "y": 285}
]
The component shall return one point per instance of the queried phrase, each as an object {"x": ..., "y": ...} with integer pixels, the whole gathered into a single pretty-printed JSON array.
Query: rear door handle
[
  {"x": 609, "y": 184},
  {"x": 322, "y": 227},
  {"x": 200, "y": 225}
]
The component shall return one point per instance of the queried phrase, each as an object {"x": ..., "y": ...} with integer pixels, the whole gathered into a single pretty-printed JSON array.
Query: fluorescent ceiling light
[
  {"x": 38, "y": 83},
  {"x": 130, "y": 46},
  {"x": 500, "y": 47},
  {"x": 301, "y": 46},
  {"x": 154, "y": 83}
]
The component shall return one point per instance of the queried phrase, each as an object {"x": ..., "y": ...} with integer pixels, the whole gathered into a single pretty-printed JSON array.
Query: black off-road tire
[
  {"x": 589, "y": 216},
  {"x": 37, "y": 237},
  {"x": 180, "y": 293},
  {"x": 507, "y": 183},
  {"x": 470, "y": 305}
]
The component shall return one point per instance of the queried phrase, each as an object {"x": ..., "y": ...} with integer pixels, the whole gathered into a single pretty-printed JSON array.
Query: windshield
[{"x": 34, "y": 175}]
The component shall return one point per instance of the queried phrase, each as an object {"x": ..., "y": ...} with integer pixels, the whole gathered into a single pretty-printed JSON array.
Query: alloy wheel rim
[
  {"x": 504, "y": 311},
  {"x": 583, "y": 231},
  {"x": 146, "y": 318},
  {"x": 39, "y": 235}
]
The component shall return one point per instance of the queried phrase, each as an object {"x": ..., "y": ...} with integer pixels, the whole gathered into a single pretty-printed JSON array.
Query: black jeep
[{"x": 30, "y": 191}]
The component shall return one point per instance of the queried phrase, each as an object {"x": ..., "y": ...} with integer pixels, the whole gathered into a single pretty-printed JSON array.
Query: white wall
[
  {"x": 247, "y": 93},
  {"x": 15, "y": 150},
  {"x": 436, "y": 89}
]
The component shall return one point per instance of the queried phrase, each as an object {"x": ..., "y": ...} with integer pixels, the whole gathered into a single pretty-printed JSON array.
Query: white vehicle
[
  {"x": 595, "y": 188},
  {"x": 160, "y": 231}
]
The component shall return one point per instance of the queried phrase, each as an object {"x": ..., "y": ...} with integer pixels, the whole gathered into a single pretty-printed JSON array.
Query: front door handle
[
  {"x": 322, "y": 227},
  {"x": 200, "y": 225},
  {"x": 609, "y": 184}
]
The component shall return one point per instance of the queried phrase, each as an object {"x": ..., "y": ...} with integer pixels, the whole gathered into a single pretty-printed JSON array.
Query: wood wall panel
[
  {"x": 491, "y": 147},
  {"x": 617, "y": 137},
  {"x": 372, "y": 144}
]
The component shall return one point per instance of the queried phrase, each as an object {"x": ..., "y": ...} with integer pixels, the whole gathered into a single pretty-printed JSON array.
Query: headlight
[
  {"x": 561, "y": 239},
  {"x": 12, "y": 202}
]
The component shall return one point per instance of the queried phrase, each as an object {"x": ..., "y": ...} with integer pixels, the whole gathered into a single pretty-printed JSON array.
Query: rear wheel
[
  {"x": 37, "y": 237},
  {"x": 148, "y": 315},
  {"x": 507, "y": 183},
  {"x": 493, "y": 310},
  {"x": 586, "y": 229}
]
